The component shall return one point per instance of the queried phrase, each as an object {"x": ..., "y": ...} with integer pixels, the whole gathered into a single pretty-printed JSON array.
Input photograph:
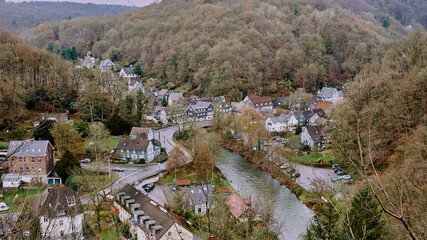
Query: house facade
[
  {"x": 137, "y": 149},
  {"x": 160, "y": 115},
  {"x": 262, "y": 103},
  {"x": 31, "y": 158},
  {"x": 283, "y": 122},
  {"x": 221, "y": 105},
  {"x": 134, "y": 83},
  {"x": 330, "y": 94},
  {"x": 148, "y": 220},
  {"x": 201, "y": 198},
  {"x": 61, "y": 213},
  {"x": 163, "y": 93},
  {"x": 201, "y": 111},
  {"x": 127, "y": 72},
  {"x": 312, "y": 136},
  {"x": 107, "y": 64}
]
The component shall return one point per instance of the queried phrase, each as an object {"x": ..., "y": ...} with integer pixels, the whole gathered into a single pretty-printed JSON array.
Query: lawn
[
  {"x": 108, "y": 144},
  {"x": 109, "y": 234},
  {"x": 168, "y": 179},
  {"x": 10, "y": 197},
  {"x": 314, "y": 157}
]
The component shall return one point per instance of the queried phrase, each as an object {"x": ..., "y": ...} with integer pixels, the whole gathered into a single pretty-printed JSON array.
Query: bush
[
  {"x": 118, "y": 125},
  {"x": 139, "y": 161}
]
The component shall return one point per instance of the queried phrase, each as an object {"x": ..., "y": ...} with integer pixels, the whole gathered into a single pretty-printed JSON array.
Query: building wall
[
  {"x": 177, "y": 231},
  {"x": 32, "y": 163},
  {"x": 65, "y": 225}
]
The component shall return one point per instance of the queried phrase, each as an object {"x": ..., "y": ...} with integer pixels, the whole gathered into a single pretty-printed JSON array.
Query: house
[
  {"x": 57, "y": 117},
  {"x": 174, "y": 98},
  {"x": 146, "y": 219},
  {"x": 309, "y": 118},
  {"x": 145, "y": 133},
  {"x": 137, "y": 149},
  {"x": 237, "y": 107},
  {"x": 134, "y": 83},
  {"x": 201, "y": 198},
  {"x": 160, "y": 115},
  {"x": 12, "y": 180},
  {"x": 283, "y": 122},
  {"x": 107, "y": 64},
  {"x": 30, "y": 158},
  {"x": 221, "y": 105},
  {"x": 240, "y": 208},
  {"x": 279, "y": 102},
  {"x": 259, "y": 103},
  {"x": 127, "y": 72},
  {"x": 330, "y": 94},
  {"x": 163, "y": 93},
  {"x": 324, "y": 105},
  {"x": 61, "y": 213},
  {"x": 201, "y": 111},
  {"x": 312, "y": 136},
  {"x": 89, "y": 61}
]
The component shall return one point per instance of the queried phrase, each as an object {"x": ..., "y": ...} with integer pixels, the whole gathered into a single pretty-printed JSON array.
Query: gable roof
[
  {"x": 237, "y": 205},
  {"x": 324, "y": 105},
  {"x": 133, "y": 144},
  {"x": 163, "y": 92},
  {"x": 139, "y": 130},
  {"x": 199, "y": 193},
  {"x": 257, "y": 100},
  {"x": 174, "y": 97},
  {"x": 106, "y": 62},
  {"x": 183, "y": 182},
  {"x": 55, "y": 199},
  {"x": 28, "y": 148},
  {"x": 327, "y": 92},
  {"x": 239, "y": 106},
  {"x": 201, "y": 105},
  {"x": 278, "y": 102},
  {"x": 134, "y": 80},
  {"x": 151, "y": 209},
  {"x": 315, "y": 133},
  {"x": 128, "y": 70}
]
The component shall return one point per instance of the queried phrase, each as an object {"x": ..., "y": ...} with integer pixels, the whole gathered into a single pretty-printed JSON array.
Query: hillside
[
  {"x": 16, "y": 17},
  {"x": 231, "y": 47}
]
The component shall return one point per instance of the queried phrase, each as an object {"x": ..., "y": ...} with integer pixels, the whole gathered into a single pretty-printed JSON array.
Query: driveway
[{"x": 310, "y": 174}]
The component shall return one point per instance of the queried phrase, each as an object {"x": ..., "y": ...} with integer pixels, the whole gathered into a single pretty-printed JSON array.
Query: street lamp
[{"x": 109, "y": 160}]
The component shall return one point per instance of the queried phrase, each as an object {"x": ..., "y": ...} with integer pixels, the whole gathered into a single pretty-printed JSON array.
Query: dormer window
[
  {"x": 61, "y": 212},
  {"x": 71, "y": 200}
]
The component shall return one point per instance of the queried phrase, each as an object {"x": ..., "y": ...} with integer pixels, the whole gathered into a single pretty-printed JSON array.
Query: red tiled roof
[
  {"x": 324, "y": 105},
  {"x": 258, "y": 100},
  {"x": 237, "y": 205},
  {"x": 224, "y": 189},
  {"x": 183, "y": 182}
]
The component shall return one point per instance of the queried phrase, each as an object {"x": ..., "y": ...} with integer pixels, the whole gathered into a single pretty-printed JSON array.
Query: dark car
[
  {"x": 342, "y": 173},
  {"x": 296, "y": 175},
  {"x": 148, "y": 187},
  {"x": 337, "y": 170}
]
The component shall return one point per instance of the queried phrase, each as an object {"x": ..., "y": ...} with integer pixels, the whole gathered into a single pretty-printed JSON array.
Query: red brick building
[{"x": 30, "y": 157}]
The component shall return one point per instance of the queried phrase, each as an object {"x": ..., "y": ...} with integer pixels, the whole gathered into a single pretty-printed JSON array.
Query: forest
[
  {"x": 17, "y": 17},
  {"x": 231, "y": 48}
]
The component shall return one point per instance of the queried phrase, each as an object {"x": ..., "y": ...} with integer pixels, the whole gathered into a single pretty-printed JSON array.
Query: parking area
[
  {"x": 311, "y": 174},
  {"x": 160, "y": 193}
]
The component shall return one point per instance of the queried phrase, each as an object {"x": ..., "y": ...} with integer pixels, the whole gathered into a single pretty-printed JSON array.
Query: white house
[
  {"x": 61, "y": 213},
  {"x": 127, "y": 72},
  {"x": 262, "y": 103},
  {"x": 160, "y": 114},
  {"x": 147, "y": 219},
  {"x": 330, "y": 94},
  {"x": 284, "y": 122},
  {"x": 312, "y": 136},
  {"x": 12, "y": 180},
  {"x": 137, "y": 149},
  {"x": 107, "y": 64},
  {"x": 89, "y": 61},
  {"x": 201, "y": 111},
  {"x": 134, "y": 83}
]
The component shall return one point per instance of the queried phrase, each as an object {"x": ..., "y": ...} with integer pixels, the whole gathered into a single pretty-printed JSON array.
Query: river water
[{"x": 252, "y": 182}]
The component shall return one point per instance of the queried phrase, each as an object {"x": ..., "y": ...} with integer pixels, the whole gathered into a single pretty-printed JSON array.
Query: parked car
[
  {"x": 117, "y": 169},
  {"x": 295, "y": 175},
  {"x": 337, "y": 170},
  {"x": 86, "y": 160},
  {"x": 3, "y": 207},
  {"x": 284, "y": 166},
  {"x": 148, "y": 187},
  {"x": 347, "y": 177},
  {"x": 342, "y": 173}
]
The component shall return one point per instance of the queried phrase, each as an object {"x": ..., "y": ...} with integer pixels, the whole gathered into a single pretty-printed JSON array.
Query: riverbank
[{"x": 311, "y": 200}]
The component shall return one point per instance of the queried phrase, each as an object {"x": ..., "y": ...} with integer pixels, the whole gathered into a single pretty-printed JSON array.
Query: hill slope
[
  {"x": 231, "y": 47},
  {"x": 16, "y": 17}
]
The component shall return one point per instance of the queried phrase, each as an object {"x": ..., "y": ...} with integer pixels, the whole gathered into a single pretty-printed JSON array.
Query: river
[{"x": 252, "y": 182}]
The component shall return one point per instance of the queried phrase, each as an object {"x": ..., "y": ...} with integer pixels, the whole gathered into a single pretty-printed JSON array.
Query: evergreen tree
[
  {"x": 42, "y": 132},
  {"x": 164, "y": 102},
  {"x": 365, "y": 215},
  {"x": 327, "y": 40},
  {"x": 66, "y": 163},
  {"x": 298, "y": 129},
  {"x": 325, "y": 227},
  {"x": 82, "y": 127},
  {"x": 129, "y": 106},
  {"x": 138, "y": 70},
  {"x": 117, "y": 125}
]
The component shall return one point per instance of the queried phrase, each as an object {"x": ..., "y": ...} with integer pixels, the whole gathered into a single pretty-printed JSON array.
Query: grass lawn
[
  {"x": 109, "y": 234},
  {"x": 11, "y": 200},
  {"x": 168, "y": 179},
  {"x": 108, "y": 144},
  {"x": 101, "y": 180},
  {"x": 314, "y": 157}
]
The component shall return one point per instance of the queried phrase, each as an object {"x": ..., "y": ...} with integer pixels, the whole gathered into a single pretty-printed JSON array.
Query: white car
[
  {"x": 347, "y": 177},
  {"x": 284, "y": 166},
  {"x": 3, "y": 207},
  {"x": 86, "y": 160}
]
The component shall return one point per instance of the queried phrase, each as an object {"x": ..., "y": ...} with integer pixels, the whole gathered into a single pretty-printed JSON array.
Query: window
[
  {"x": 20, "y": 159},
  {"x": 32, "y": 159},
  {"x": 21, "y": 170},
  {"x": 45, "y": 219},
  {"x": 71, "y": 200},
  {"x": 40, "y": 170},
  {"x": 33, "y": 170},
  {"x": 61, "y": 212},
  {"x": 27, "y": 170},
  {"x": 39, "y": 160},
  {"x": 25, "y": 160}
]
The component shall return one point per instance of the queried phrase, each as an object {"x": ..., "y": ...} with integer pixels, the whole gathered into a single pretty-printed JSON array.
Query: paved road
[{"x": 310, "y": 174}]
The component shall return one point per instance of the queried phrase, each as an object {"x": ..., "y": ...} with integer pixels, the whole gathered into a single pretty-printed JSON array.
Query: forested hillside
[
  {"x": 33, "y": 78},
  {"x": 231, "y": 47},
  {"x": 16, "y": 17},
  {"x": 381, "y": 126}
]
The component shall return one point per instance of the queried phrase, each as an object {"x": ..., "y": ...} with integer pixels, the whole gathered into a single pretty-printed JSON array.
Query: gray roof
[
  {"x": 201, "y": 105},
  {"x": 175, "y": 96},
  {"x": 198, "y": 194},
  {"x": 281, "y": 118},
  {"x": 134, "y": 80},
  {"x": 106, "y": 62},
  {"x": 28, "y": 148},
  {"x": 327, "y": 92},
  {"x": 315, "y": 133},
  {"x": 278, "y": 102},
  {"x": 163, "y": 92},
  {"x": 55, "y": 199},
  {"x": 139, "y": 130},
  {"x": 128, "y": 70}
]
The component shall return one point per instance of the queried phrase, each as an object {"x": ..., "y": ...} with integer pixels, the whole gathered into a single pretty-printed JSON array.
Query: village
[{"x": 145, "y": 182}]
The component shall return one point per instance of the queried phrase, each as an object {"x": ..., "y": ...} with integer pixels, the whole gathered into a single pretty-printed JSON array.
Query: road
[{"x": 133, "y": 173}]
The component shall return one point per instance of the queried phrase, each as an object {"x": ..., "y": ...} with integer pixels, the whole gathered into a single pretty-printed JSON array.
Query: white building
[
  {"x": 127, "y": 72},
  {"x": 262, "y": 103},
  {"x": 89, "y": 61},
  {"x": 12, "y": 180},
  {"x": 148, "y": 220},
  {"x": 330, "y": 94},
  {"x": 61, "y": 213},
  {"x": 284, "y": 122},
  {"x": 107, "y": 64}
]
